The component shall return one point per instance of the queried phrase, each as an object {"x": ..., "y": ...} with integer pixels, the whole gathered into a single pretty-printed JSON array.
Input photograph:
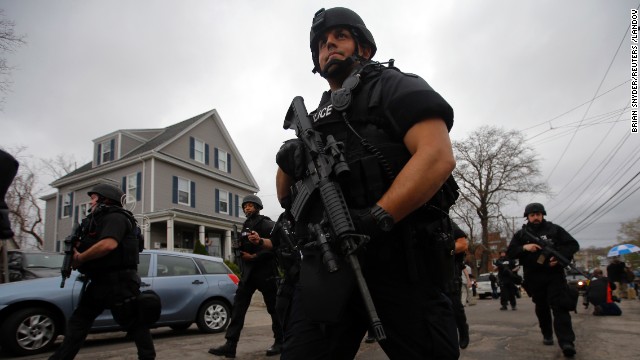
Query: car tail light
[
  {"x": 234, "y": 278},
  {"x": 580, "y": 283}
]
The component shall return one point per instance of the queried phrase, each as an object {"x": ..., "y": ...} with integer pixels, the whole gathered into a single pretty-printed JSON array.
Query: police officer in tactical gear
[
  {"x": 107, "y": 254},
  {"x": 259, "y": 273},
  {"x": 507, "y": 270},
  {"x": 544, "y": 278},
  {"x": 395, "y": 131}
]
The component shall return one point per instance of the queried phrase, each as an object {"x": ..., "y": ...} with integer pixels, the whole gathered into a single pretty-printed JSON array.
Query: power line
[
  {"x": 576, "y": 108},
  {"x": 590, "y": 103},
  {"x": 609, "y": 199},
  {"x": 607, "y": 162},
  {"x": 584, "y": 163}
]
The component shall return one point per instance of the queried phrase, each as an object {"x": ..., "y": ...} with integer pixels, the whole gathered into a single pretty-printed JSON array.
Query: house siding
[
  {"x": 128, "y": 144},
  {"x": 210, "y": 133},
  {"x": 50, "y": 223}
]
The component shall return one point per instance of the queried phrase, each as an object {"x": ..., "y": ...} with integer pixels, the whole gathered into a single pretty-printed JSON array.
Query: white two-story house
[{"x": 183, "y": 183}]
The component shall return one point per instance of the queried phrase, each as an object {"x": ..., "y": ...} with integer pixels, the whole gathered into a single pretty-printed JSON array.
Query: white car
[{"x": 483, "y": 286}]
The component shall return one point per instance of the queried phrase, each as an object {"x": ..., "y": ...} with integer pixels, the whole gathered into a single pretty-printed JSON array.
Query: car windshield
[
  {"x": 483, "y": 278},
  {"x": 43, "y": 260}
]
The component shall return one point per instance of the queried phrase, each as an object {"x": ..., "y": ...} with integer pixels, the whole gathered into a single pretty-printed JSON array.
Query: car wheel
[
  {"x": 213, "y": 317},
  {"x": 29, "y": 331},
  {"x": 481, "y": 296},
  {"x": 180, "y": 327}
]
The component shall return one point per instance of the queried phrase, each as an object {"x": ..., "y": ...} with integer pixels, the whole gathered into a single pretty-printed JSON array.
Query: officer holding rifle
[{"x": 544, "y": 276}]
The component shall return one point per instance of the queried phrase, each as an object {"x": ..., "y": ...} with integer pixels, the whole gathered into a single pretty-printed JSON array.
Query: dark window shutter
[
  {"x": 138, "y": 186},
  {"x": 71, "y": 203},
  {"x": 206, "y": 154},
  {"x": 193, "y": 194},
  {"x": 75, "y": 215},
  {"x": 215, "y": 158},
  {"x": 59, "y": 206},
  {"x": 230, "y": 206},
  {"x": 192, "y": 148},
  {"x": 237, "y": 205},
  {"x": 99, "y": 154},
  {"x": 228, "y": 162},
  {"x": 217, "y": 200},
  {"x": 175, "y": 189},
  {"x": 124, "y": 184},
  {"x": 113, "y": 149}
]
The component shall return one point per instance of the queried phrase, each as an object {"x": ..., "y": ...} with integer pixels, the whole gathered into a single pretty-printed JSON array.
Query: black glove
[
  {"x": 291, "y": 158},
  {"x": 365, "y": 224}
]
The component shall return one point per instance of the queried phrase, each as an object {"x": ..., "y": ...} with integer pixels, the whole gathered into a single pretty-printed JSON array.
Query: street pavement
[{"x": 495, "y": 335}]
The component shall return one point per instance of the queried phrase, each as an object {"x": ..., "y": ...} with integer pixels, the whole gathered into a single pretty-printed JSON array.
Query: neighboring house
[{"x": 183, "y": 183}]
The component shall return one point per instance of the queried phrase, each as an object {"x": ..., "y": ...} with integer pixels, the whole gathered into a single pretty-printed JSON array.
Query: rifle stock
[{"x": 328, "y": 164}]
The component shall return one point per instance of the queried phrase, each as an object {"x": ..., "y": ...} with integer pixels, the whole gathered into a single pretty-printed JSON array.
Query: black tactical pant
[
  {"x": 98, "y": 296},
  {"x": 508, "y": 294},
  {"x": 458, "y": 308},
  {"x": 418, "y": 320},
  {"x": 246, "y": 289},
  {"x": 544, "y": 293}
]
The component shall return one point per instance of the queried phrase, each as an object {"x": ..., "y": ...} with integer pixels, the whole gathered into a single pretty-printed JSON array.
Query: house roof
[{"x": 166, "y": 136}]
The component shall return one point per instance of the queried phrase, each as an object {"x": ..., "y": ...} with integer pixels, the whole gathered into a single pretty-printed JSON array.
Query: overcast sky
[{"x": 541, "y": 67}]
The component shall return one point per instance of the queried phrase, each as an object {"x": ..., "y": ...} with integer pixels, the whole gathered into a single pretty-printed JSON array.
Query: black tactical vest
[{"x": 125, "y": 256}]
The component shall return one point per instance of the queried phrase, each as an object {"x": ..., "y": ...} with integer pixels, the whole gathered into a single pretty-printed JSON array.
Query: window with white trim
[
  {"x": 105, "y": 156},
  {"x": 223, "y": 202},
  {"x": 132, "y": 186},
  {"x": 239, "y": 212},
  {"x": 198, "y": 150},
  {"x": 184, "y": 191},
  {"x": 222, "y": 160},
  {"x": 84, "y": 210},
  {"x": 66, "y": 204}
]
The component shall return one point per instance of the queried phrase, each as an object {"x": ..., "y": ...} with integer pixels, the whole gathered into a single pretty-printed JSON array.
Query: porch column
[
  {"x": 170, "y": 235},
  {"x": 226, "y": 245},
  {"x": 147, "y": 234},
  {"x": 201, "y": 234}
]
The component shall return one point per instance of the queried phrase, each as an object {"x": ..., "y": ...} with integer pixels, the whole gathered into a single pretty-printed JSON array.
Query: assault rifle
[
  {"x": 69, "y": 244},
  {"x": 327, "y": 164},
  {"x": 235, "y": 245},
  {"x": 548, "y": 251}
]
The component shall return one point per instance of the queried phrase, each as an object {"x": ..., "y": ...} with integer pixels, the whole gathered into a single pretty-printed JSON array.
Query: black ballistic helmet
[
  {"x": 108, "y": 192},
  {"x": 253, "y": 199},
  {"x": 534, "y": 208},
  {"x": 338, "y": 16}
]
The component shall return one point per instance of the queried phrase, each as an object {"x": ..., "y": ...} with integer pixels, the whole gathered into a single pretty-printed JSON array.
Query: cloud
[{"x": 93, "y": 67}]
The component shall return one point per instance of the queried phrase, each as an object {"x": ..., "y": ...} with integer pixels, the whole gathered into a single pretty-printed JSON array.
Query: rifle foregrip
[{"x": 336, "y": 208}]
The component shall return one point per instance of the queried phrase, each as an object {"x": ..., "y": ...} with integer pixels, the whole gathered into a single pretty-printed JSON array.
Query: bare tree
[
  {"x": 629, "y": 233},
  {"x": 58, "y": 166},
  {"x": 493, "y": 167},
  {"x": 465, "y": 216},
  {"x": 23, "y": 196},
  {"x": 25, "y": 208},
  {"x": 9, "y": 41}
]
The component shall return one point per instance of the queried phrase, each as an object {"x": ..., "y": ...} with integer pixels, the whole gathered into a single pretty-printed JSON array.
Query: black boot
[
  {"x": 568, "y": 349},
  {"x": 227, "y": 350},
  {"x": 275, "y": 349},
  {"x": 464, "y": 336}
]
